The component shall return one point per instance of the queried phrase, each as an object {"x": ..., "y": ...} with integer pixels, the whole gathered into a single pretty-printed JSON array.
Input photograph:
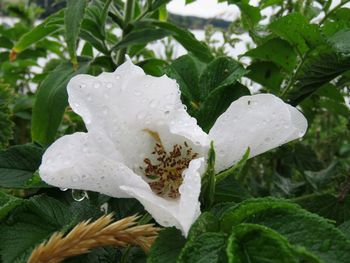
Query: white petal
[
  {"x": 87, "y": 162},
  {"x": 180, "y": 213},
  {"x": 124, "y": 103},
  {"x": 261, "y": 122}
]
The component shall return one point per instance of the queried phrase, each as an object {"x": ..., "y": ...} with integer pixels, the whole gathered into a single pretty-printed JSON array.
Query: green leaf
[
  {"x": 255, "y": 244},
  {"x": 230, "y": 190},
  {"x": 18, "y": 164},
  {"x": 250, "y": 15},
  {"x": 167, "y": 246},
  {"x": 52, "y": 100},
  {"x": 321, "y": 66},
  {"x": 142, "y": 36},
  {"x": 153, "y": 66},
  {"x": 217, "y": 102},
  {"x": 207, "y": 247},
  {"x": 6, "y": 124},
  {"x": 49, "y": 26},
  {"x": 29, "y": 225},
  {"x": 295, "y": 28},
  {"x": 300, "y": 227},
  {"x": 328, "y": 206},
  {"x": 73, "y": 18},
  {"x": 206, "y": 222},
  {"x": 183, "y": 36},
  {"x": 93, "y": 27},
  {"x": 208, "y": 180},
  {"x": 235, "y": 169},
  {"x": 7, "y": 203},
  {"x": 345, "y": 228},
  {"x": 158, "y": 3},
  {"x": 277, "y": 51},
  {"x": 220, "y": 72},
  {"x": 267, "y": 74},
  {"x": 186, "y": 70}
]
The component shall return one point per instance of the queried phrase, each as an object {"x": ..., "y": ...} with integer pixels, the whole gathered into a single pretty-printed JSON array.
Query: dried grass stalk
[{"x": 87, "y": 235}]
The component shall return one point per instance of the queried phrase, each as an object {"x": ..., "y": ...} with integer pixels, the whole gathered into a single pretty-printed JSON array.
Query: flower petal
[
  {"x": 180, "y": 213},
  {"x": 124, "y": 103},
  {"x": 87, "y": 162},
  {"x": 261, "y": 122}
]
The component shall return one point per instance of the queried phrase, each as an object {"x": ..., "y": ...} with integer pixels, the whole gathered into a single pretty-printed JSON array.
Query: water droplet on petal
[
  {"x": 267, "y": 139},
  {"x": 137, "y": 93},
  {"x": 117, "y": 76},
  {"x": 109, "y": 85},
  {"x": 140, "y": 115},
  {"x": 153, "y": 104},
  {"x": 82, "y": 86},
  {"x": 97, "y": 85},
  {"x": 75, "y": 178},
  {"x": 63, "y": 189},
  {"x": 105, "y": 110},
  {"x": 79, "y": 195}
]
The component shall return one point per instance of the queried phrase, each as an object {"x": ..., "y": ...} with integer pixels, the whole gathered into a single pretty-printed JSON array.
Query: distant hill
[{"x": 192, "y": 22}]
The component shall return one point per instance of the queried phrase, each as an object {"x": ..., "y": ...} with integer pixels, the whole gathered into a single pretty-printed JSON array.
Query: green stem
[{"x": 128, "y": 15}]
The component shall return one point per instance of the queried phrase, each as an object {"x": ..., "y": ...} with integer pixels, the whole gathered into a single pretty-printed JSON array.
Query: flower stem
[{"x": 128, "y": 15}]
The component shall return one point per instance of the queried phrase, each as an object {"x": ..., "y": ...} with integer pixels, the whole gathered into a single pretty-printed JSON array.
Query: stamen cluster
[{"x": 165, "y": 176}]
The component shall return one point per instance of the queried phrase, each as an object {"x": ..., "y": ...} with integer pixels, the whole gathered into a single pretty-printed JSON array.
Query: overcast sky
[
  {"x": 211, "y": 8},
  {"x": 203, "y": 8}
]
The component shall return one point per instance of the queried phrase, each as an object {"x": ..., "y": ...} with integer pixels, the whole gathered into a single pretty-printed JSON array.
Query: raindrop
[
  {"x": 79, "y": 195},
  {"x": 117, "y": 76},
  {"x": 97, "y": 85},
  {"x": 63, "y": 189},
  {"x": 267, "y": 139},
  {"x": 109, "y": 85},
  {"x": 105, "y": 110},
  {"x": 140, "y": 116},
  {"x": 75, "y": 178},
  {"x": 137, "y": 93},
  {"x": 153, "y": 104},
  {"x": 166, "y": 112},
  {"x": 82, "y": 86},
  {"x": 185, "y": 107}
]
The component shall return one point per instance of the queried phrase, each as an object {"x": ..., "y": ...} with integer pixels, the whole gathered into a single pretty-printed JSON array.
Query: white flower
[{"x": 142, "y": 143}]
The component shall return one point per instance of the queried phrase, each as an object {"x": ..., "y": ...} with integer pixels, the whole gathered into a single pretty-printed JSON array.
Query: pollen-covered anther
[{"x": 164, "y": 175}]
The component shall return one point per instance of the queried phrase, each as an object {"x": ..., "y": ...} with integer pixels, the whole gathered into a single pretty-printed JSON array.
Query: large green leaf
[
  {"x": 29, "y": 225},
  {"x": 142, "y": 36},
  {"x": 207, "y": 247},
  {"x": 52, "y": 100},
  {"x": 297, "y": 30},
  {"x": 256, "y": 244},
  {"x": 217, "y": 103},
  {"x": 93, "y": 27},
  {"x": 222, "y": 71},
  {"x": 327, "y": 205},
  {"x": 300, "y": 227},
  {"x": 6, "y": 124},
  {"x": 7, "y": 203},
  {"x": 167, "y": 246},
  {"x": 277, "y": 51},
  {"x": 183, "y": 36},
  {"x": 73, "y": 18},
  {"x": 267, "y": 74},
  {"x": 18, "y": 164},
  {"x": 49, "y": 26}
]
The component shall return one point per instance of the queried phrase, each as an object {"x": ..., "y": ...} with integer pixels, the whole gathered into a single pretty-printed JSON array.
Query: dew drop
[
  {"x": 75, "y": 178},
  {"x": 137, "y": 93},
  {"x": 109, "y": 85},
  {"x": 105, "y": 110},
  {"x": 97, "y": 85},
  {"x": 267, "y": 139},
  {"x": 117, "y": 76},
  {"x": 82, "y": 86},
  {"x": 63, "y": 189},
  {"x": 140, "y": 116},
  {"x": 79, "y": 195},
  {"x": 153, "y": 104}
]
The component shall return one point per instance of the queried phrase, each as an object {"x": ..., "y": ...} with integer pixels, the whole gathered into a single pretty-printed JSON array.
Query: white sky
[{"x": 203, "y": 8}]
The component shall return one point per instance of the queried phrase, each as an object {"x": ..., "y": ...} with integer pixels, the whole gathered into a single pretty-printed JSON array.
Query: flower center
[{"x": 164, "y": 174}]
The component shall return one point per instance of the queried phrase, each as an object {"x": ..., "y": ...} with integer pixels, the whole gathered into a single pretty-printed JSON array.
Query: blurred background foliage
[{"x": 300, "y": 52}]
